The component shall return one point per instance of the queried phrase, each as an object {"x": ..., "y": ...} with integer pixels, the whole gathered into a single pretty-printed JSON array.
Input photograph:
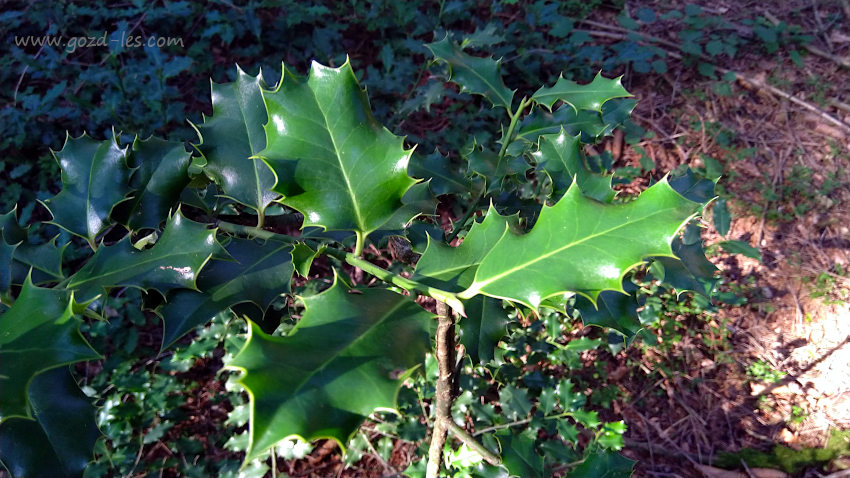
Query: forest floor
[{"x": 782, "y": 373}]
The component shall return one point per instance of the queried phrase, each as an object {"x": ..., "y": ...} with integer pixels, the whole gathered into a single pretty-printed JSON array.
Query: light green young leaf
[
  {"x": 591, "y": 245},
  {"x": 336, "y": 367},
  {"x": 581, "y": 97},
  {"x": 333, "y": 161},
  {"x": 453, "y": 268},
  {"x": 473, "y": 74},
  {"x": 232, "y": 136}
]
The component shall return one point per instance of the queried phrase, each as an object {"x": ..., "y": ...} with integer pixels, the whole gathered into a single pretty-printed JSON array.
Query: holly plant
[{"x": 278, "y": 213}]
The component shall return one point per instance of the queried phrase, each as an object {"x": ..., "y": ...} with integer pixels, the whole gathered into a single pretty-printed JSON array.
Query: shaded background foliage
[{"x": 48, "y": 91}]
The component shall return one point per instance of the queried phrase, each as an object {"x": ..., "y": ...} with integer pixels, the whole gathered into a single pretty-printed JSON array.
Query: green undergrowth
[{"x": 787, "y": 459}]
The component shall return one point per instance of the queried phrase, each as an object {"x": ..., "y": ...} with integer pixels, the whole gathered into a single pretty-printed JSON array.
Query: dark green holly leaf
[
  {"x": 333, "y": 161},
  {"x": 494, "y": 168},
  {"x": 6, "y": 252},
  {"x": 337, "y": 366},
  {"x": 174, "y": 261},
  {"x": 688, "y": 270},
  {"x": 601, "y": 464},
  {"x": 473, "y": 74},
  {"x": 159, "y": 178},
  {"x": 518, "y": 454},
  {"x": 39, "y": 332},
  {"x": 560, "y": 157},
  {"x": 591, "y": 244},
  {"x": 581, "y": 97},
  {"x": 13, "y": 233},
  {"x": 94, "y": 180},
  {"x": 59, "y": 441},
  {"x": 482, "y": 328},
  {"x": 231, "y": 138},
  {"x": 616, "y": 112},
  {"x": 18, "y": 257},
  {"x": 588, "y": 125},
  {"x": 693, "y": 187},
  {"x": 613, "y": 310},
  {"x": 740, "y": 247},
  {"x": 445, "y": 177},
  {"x": 453, "y": 268},
  {"x": 514, "y": 402},
  {"x": 259, "y": 273}
]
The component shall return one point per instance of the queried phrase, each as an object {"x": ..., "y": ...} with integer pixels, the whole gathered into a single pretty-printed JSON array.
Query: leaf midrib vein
[{"x": 478, "y": 285}]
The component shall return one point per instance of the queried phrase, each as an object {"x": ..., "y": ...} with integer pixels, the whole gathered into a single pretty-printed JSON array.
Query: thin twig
[
  {"x": 472, "y": 443},
  {"x": 381, "y": 460},
  {"x": 443, "y": 393}
]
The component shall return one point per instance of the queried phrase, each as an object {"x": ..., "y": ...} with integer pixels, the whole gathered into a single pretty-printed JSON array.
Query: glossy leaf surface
[
  {"x": 259, "y": 272},
  {"x": 333, "y": 161},
  {"x": 613, "y": 310},
  {"x": 174, "y": 261},
  {"x": 94, "y": 180},
  {"x": 581, "y": 97},
  {"x": 39, "y": 332},
  {"x": 59, "y": 441},
  {"x": 591, "y": 245},
  {"x": 484, "y": 325},
  {"x": 473, "y": 74},
  {"x": 232, "y": 136},
  {"x": 337, "y": 366},
  {"x": 560, "y": 157},
  {"x": 161, "y": 174},
  {"x": 453, "y": 268},
  {"x": 602, "y": 464}
]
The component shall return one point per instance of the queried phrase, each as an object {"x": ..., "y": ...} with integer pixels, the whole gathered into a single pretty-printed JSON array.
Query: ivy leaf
[
  {"x": 591, "y": 245},
  {"x": 613, "y": 310},
  {"x": 231, "y": 138},
  {"x": 94, "y": 180},
  {"x": 37, "y": 333},
  {"x": 333, "y": 161},
  {"x": 174, "y": 261},
  {"x": 482, "y": 328},
  {"x": 601, "y": 464},
  {"x": 473, "y": 74},
  {"x": 258, "y": 274},
  {"x": 453, "y": 268},
  {"x": 560, "y": 157},
  {"x": 581, "y": 97},
  {"x": 336, "y": 367},
  {"x": 61, "y": 437},
  {"x": 159, "y": 178},
  {"x": 519, "y": 456},
  {"x": 445, "y": 177}
]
